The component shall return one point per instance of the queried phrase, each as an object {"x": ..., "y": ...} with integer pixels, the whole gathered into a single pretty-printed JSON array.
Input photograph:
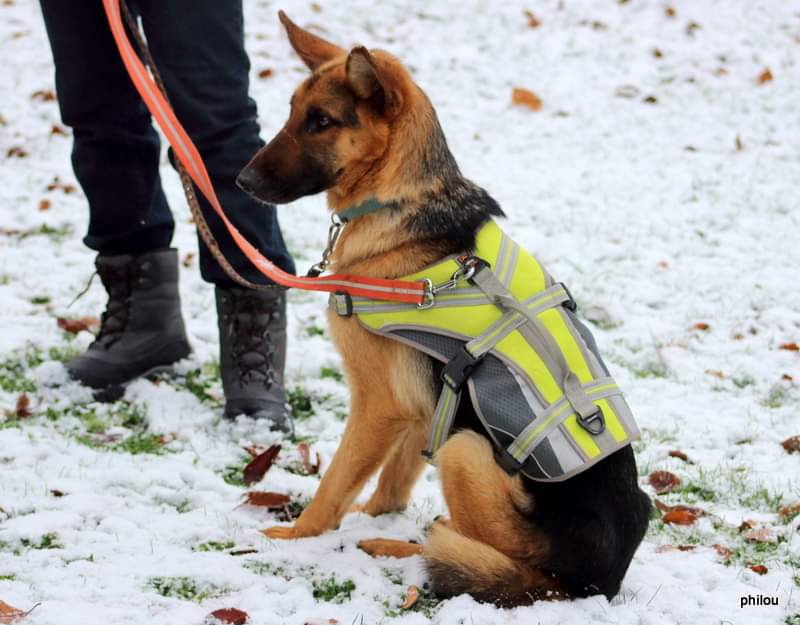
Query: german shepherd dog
[{"x": 361, "y": 128}]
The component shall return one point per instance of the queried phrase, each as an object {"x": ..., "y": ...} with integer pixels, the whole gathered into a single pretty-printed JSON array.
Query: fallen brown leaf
[
  {"x": 233, "y": 616},
  {"x": 792, "y": 444},
  {"x": 691, "y": 27},
  {"x": 789, "y": 511},
  {"x": 759, "y": 568},
  {"x": 58, "y": 130},
  {"x": 765, "y": 77},
  {"x": 16, "y": 152},
  {"x": 791, "y": 347},
  {"x": 725, "y": 552},
  {"x": 715, "y": 373},
  {"x": 665, "y": 548},
  {"x": 651, "y": 99},
  {"x": 760, "y": 535},
  {"x": 739, "y": 144},
  {"x": 746, "y": 525},
  {"x": 44, "y": 205},
  {"x": 265, "y": 73},
  {"x": 266, "y": 499},
  {"x": 664, "y": 481},
  {"x": 187, "y": 260},
  {"x": 74, "y": 326},
  {"x": 56, "y": 493},
  {"x": 674, "y": 453},
  {"x": 701, "y": 325},
  {"x": 10, "y": 614},
  {"x": 527, "y": 98},
  {"x": 533, "y": 21},
  {"x": 412, "y": 595},
  {"x": 670, "y": 11},
  {"x": 680, "y": 517},
  {"x": 23, "y": 409},
  {"x": 305, "y": 456},
  {"x": 254, "y": 471},
  {"x": 45, "y": 95},
  {"x": 787, "y": 377}
]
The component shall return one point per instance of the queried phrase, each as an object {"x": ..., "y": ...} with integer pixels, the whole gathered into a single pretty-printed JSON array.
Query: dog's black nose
[{"x": 248, "y": 180}]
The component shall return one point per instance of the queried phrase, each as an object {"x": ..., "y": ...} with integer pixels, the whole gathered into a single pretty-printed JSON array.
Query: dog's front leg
[{"x": 371, "y": 433}]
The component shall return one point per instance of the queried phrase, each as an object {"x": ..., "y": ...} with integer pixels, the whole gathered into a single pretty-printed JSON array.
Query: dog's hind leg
[
  {"x": 488, "y": 548},
  {"x": 399, "y": 474}
]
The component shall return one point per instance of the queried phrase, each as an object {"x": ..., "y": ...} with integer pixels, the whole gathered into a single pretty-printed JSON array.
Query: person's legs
[
  {"x": 115, "y": 157},
  {"x": 198, "y": 47},
  {"x": 115, "y": 150}
]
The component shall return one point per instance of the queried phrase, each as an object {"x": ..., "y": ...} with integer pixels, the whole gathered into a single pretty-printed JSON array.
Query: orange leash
[{"x": 189, "y": 157}]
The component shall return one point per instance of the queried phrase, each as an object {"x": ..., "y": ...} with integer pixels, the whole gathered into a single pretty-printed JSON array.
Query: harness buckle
[
  {"x": 340, "y": 296},
  {"x": 458, "y": 369},
  {"x": 428, "y": 295},
  {"x": 570, "y": 304},
  {"x": 471, "y": 265},
  {"x": 595, "y": 423}
]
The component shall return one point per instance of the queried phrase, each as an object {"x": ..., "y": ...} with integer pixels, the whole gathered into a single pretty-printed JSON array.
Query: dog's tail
[{"x": 457, "y": 564}]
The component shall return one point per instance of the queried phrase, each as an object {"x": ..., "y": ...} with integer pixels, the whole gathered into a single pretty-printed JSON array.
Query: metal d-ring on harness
[
  {"x": 468, "y": 266},
  {"x": 457, "y": 371}
]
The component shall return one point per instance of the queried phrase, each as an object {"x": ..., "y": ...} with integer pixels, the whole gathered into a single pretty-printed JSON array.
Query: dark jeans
[{"x": 198, "y": 46}]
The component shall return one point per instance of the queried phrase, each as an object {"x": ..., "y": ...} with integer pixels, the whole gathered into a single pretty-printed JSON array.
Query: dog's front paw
[{"x": 284, "y": 532}]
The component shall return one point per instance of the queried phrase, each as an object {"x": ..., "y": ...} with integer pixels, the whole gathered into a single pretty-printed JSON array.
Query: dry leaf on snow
[
  {"x": 792, "y": 444},
  {"x": 232, "y": 616},
  {"x": 527, "y": 98},
  {"x": 791, "y": 347},
  {"x": 305, "y": 456},
  {"x": 674, "y": 453},
  {"x": 765, "y": 76},
  {"x": 664, "y": 481},
  {"x": 759, "y": 568},
  {"x": 266, "y": 499},
  {"x": 412, "y": 595},
  {"x": 23, "y": 409},
  {"x": 254, "y": 471},
  {"x": 74, "y": 326}
]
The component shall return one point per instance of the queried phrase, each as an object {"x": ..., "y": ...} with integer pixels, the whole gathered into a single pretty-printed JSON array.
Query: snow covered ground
[{"x": 658, "y": 181}]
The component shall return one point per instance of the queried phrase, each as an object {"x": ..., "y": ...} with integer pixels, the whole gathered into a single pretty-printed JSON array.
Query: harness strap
[
  {"x": 530, "y": 437},
  {"x": 154, "y": 97},
  {"x": 442, "y": 422},
  {"x": 474, "y": 351},
  {"x": 590, "y": 415}
]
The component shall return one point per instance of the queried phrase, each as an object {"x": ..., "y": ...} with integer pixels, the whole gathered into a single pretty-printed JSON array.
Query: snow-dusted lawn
[{"x": 628, "y": 184}]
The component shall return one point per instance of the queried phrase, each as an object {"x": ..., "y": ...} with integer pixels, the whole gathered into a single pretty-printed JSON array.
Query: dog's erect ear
[
  {"x": 312, "y": 49},
  {"x": 368, "y": 82}
]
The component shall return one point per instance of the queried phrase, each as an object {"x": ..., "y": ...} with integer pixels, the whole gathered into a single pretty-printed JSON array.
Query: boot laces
[
  {"x": 114, "y": 320},
  {"x": 252, "y": 347}
]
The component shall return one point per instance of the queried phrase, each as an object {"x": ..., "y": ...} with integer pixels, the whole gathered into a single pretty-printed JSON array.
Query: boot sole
[{"x": 112, "y": 393}]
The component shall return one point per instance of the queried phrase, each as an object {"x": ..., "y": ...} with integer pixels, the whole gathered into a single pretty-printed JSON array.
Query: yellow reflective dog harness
[{"x": 507, "y": 334}]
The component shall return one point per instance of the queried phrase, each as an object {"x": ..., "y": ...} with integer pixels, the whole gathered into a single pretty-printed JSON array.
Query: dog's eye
[{"x": 318, "y": 121}]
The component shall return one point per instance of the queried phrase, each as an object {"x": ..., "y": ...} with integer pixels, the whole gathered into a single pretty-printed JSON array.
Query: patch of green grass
[
  {"x": 426, "y": 604},
  {"x": 692, "y": 493},
  {"x": 313, "y": 330},
  {"x": 300, "y": 401},
  {"x": 183, "y": 506},
  {"x": 743, "y": 381},
  {"x": 761, "y": 498},
  {"x": 47, "y": 541},
  {"x": 141, "y": 443},
  {"x": 330, "y": 589},
  {"x": 7, "y": 578},
  {"x": 200, "y": 381},
  {"x": 654, "y": 369},
  {"x": 40, "y": 299},
  {"x": 266, "y": 568},
  {"x": 233, "y": 474},
  {"x": 186, "y": 588},
  {"x": 793, "y": 619},
  {"x": 331, "y": 374},
  {"x": 776, "y": 398},
  {"x": 13, "y": 377},
  {"x": 214, "y": 545}
]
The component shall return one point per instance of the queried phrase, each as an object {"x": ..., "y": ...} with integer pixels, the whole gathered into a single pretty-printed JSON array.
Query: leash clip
[
  {"x": 334, "y": 231},
  {"x": 428, "y": 295},
  {"x": 465, "y": 272}
]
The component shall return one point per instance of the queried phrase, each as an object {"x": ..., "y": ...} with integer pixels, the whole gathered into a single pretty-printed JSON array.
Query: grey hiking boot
[
  {"x": 252, "y": 342},
  {"x": 141, "y": 330}
]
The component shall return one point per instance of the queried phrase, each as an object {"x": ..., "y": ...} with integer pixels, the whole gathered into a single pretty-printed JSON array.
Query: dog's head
[{"x": 340, "y": 123}]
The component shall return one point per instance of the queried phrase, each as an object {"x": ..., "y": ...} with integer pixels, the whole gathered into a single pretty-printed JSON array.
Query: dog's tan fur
[{"x": 392, "y": 398}]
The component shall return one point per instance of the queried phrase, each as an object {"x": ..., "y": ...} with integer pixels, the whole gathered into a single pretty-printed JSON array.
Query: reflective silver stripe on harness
[
  {"x": 478, "y": 347},
  {"x": 590, "y": 416}
]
